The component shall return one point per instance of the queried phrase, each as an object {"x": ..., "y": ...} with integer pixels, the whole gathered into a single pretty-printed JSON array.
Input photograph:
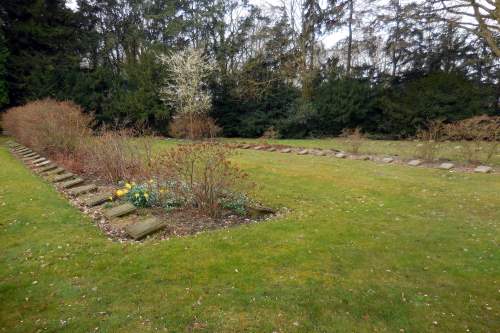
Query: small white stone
[
  {"x": 340, "y": 155},
  {"x": 415, "y": 162},
  {"x": 388, "y": 160}
]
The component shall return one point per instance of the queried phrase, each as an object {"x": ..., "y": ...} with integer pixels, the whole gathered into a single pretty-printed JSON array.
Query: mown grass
[
  {"x": 365, "y": 247},
  {"x": 406, "y": 149}
]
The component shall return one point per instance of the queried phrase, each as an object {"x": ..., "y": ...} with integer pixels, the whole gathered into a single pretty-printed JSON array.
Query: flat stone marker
[
  {"x": 119, "y": 210},
  {"x": 387, "y": 160},
  {"x": 48, "y": 168},
  {"x": 55, "y": 171},
  {"x": 144, "y": 228},
  {"x": 271, "y": 149},
  {"x": 63, "y": 177},
  {"x": 71, "y": 183},
  {"x": 38, "y": 160},
  {"x": 415, "y": 162},
  {"x": 446, "y": 166},
  {"x": 286, "y": 150},
  {"x": 31, "y": 158},
  {"x": 245, "y": 146},
  {"x": 76, "y": 191},
  {"x": 483, "y": 169},
  {"x": 258, "y": 148},
  {"x": 303, "y": 152},
  {"x": 44, "y": 163},
  {"x": 340, "y": 155},
  {"x": 98, "y": 199},
  {"x": 319, "y": 153}
]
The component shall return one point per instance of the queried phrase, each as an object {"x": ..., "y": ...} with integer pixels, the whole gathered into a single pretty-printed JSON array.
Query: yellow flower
[
  {"x": 133, "y": 184},
  {"x": 151, "y": 181},
  {"x": 128, "y": 186},
  {"x": 110, "y": 198},
  {"x": 119, "y": 193},
  {"x": 125, "y": 191},
  {"x": 146, "y": 195},
  {"x": 162, "y": 191},
  {"x": 137, "y": 195}
]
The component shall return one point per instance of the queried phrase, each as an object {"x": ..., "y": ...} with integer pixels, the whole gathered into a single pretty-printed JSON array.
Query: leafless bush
[
  {"x": 194, "y": 128},
  {"x": 203, "y": 175},
  {"x": 113, "y": 155},
  {"x": 49, "y": 126},
  {"x": 354, "y": 139},
  {"x": 479, "y": 137},
  {"x": 429, "y": 140}
]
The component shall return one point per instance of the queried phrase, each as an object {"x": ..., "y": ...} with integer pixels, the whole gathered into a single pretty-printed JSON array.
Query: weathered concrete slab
[
  {"x": 271, "y": 149},
  {"x": 258, "y": 148},
  {"x": 38, "y": 160},
  {"x": 363, "y": 158},
  {"x": 142, "y": 229},
  {"x": 483, "y": 169},
  {"x": 30, "y": 155},
  {"x": 446, "y": 166},
  {"x": 303, "y": 152},
  {"x": 53, "y": 172},
  {"x": 245, "y": 146},
  {"x": 41, "y": 164},
  {"x": 27, "y": 152},
  {"x": 285, "y": 150},
  {"x": 118, "y": 211},
  {"x": 47, "y": 168},
  {"x": 320, "y": 153},
  {"x": 415, "y": 163},
  {"x": 31, "y": 158},
  {"x": 387, "y": 160},
  {"x": 22, "y": 150},
  {"x": 72, "y": 183},
  {"x": 340, "y": 155},
  {"x": 76, "y": 191},
  {"x": 63, "y": 177},
  {"x": 98, "y": 199}
]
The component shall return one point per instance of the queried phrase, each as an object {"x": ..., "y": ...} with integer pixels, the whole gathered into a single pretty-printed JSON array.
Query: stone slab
[
  {"x": 27, "y": 152},
  {"x": 32, "y": 158},
  {"x": 320, "y": 153},
  {"x": 364, "y": 158},
  {"x": 76, "y": 191},
  {"x": 30, "y": 155},
  {"x": 47, "y": 168},
  {"x": 53, "y": 172},
  {"x": 38, "y": 160},
  {"x": 285, "y": 150},
  {"x": 271, "y": 149},
  {"x": 63, "y": 177},
  {"x": 118, "y": 211},
  {"x": 258, "y": 148},
  {"x": 303, "y": 152},
  {"x": 483, "y": 169},
  {"x": 340, "y": 155},
  {"x": 44, "y": 163},
  {"x": 387, "y": 160},
  {"x": 22, "y": 150},
  {"x": 98, "y": 199},
  {"x": 142, "y": 229},
  {"x": 245, "y": 146},
  {"x": 415, "y": 162},
  {"x": 446, "y": 166},
  {"x": 71, "y": 183}
]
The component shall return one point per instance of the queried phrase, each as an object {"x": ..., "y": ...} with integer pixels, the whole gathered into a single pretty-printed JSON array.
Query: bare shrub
[
  {"x": 270, "y": 133},
  {"x": 203, "y": 175},
  {"x": 429, "y": 141},
  {"x": 113, "y": 156},
  {"x": 49, "y": 126},
  {"x": 194, "y": 128},
  {"x": 479, "y": 137},
  {"x": 354, "y": 139}
]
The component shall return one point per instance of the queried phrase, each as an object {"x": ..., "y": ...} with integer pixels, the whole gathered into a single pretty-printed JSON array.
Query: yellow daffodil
[
  {"x": 146, "y": 195},
  {"x": 128, "y": 186},
  {"x": 110, "y": 198},
  {"x": 119, "y": 193}
]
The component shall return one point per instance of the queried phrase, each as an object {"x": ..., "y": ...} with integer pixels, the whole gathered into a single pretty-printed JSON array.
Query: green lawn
[
  {"x": 404, "y": 148},
  {"x": 366, "y": 247}
]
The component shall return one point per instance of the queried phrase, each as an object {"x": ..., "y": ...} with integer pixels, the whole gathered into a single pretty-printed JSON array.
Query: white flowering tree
[{"x": 185, "y": 88}]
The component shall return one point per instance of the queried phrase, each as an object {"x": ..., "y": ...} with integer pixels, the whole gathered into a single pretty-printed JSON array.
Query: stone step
[
  {"x": 340, "y": 155},
  {"x": 98, "y": 199},
  {"x": 38, "y": 160},
  {"x": 71, "y": 183},
  {"x": 53, "y": 172},
  {"x": 42, "y": 164},
  {"x": 76, "y": 191},
  {"x": 303, "y": 152},
  {"x": 387, "y": 160},
  {"x": 285, "y": 150},
  {"x": 31, "y": 158},
  {"x": 483, "y": 169},
  {"x": 47, "y": 168},
  {"x": 446, "y": 166},
  {"x": 63, "y": 177},
  {"x": 22, "y": 150},
  {"x": 118, "y": 211},
  {"x": 29, "y": 155},
  {"x": 141, "y": 229},
  {"x": 415, "y": 162},
  {"x": 27, "y": 152}
]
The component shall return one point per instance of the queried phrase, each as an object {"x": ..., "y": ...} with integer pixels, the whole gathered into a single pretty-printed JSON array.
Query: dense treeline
[{"x": 399, "y": 64}]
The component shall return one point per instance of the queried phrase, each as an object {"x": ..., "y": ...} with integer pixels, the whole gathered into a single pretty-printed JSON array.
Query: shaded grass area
[
  {"x": 383, "y": 248},
  {"x": 403, "y": 148}
]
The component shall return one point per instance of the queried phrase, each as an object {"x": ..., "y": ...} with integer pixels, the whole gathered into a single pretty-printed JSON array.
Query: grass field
[
  {"x": 366, "y": 247},
  {"x": 404, "y": 148}
]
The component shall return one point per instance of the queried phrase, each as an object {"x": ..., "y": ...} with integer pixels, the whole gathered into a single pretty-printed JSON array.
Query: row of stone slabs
[
  {"x": 444, "y": 166},
  {"x": 76, "y": 187}
]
